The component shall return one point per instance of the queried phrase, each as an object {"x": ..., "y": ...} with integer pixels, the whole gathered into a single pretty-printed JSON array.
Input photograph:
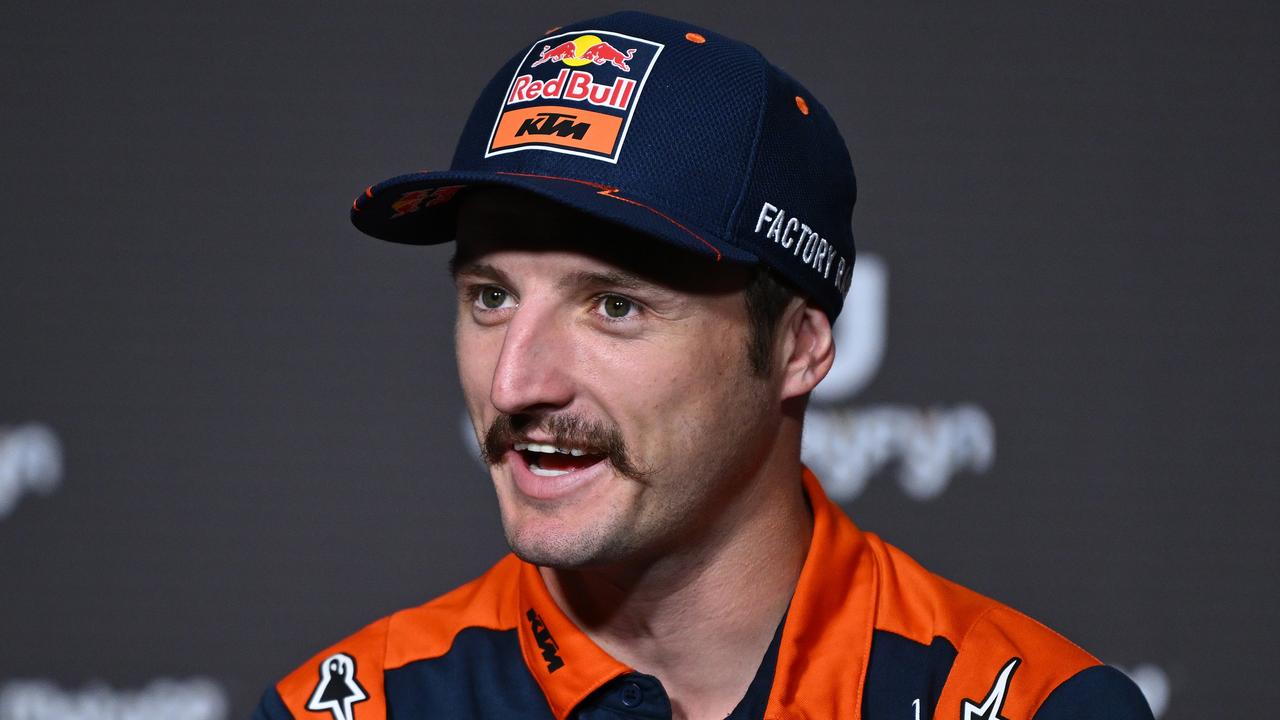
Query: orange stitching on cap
[
  {"x": 607, "y": 191},
  {"x": 355, "y": 204},
  {"x": 804, "y": 106},
  {"x": 664, "y": 216},
  {"x": 694, "y": 37}
]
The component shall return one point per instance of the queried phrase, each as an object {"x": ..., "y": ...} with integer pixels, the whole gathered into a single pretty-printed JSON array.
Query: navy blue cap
[{"x": 669, "y": 129}]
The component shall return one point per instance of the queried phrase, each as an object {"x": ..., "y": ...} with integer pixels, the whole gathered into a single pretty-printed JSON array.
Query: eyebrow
[
  {"x": 459, "y": 264},
  {"x": 580, "y": 278},
  {"x": 608, "y": 278},
  {"x": 477, "y": 269}
]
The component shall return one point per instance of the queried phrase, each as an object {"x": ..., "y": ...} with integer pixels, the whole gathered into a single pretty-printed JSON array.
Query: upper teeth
[{"x": 536, "y": 447}]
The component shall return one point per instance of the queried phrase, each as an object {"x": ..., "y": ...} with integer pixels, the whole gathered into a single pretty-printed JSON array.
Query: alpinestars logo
[
  {"x": 574, "y": 93},
  {"x": 338, "y": 689},
  {"x": 994, "y": 701}
]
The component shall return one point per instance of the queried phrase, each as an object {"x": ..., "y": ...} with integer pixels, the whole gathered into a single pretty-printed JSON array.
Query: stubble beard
[{"x": 597, "y": 545}]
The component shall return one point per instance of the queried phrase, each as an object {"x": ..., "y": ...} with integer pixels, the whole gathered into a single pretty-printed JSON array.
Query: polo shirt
[{"x": 868, "y": 634}]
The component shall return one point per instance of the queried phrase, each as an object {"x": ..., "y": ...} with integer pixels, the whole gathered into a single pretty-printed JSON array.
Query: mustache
[{"x": 596, "y": 437}]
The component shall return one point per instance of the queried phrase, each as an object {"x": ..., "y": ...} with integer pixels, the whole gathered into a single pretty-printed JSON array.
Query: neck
[{"x": 701, "y": 618}]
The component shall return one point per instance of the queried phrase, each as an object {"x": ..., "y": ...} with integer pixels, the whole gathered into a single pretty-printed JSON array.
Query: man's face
[{"x": 607, "y": 378}]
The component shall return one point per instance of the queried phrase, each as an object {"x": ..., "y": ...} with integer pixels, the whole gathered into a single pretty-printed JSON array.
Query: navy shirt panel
[
  {"x": 904, "y": 677},
  {"x": 638, "y": 696},
  {"x": 271, "y": 707},
  {"x": 482, "y": 676},
  {"x": 1097, "y": 693},
  {"x": 634, "y": 696}
]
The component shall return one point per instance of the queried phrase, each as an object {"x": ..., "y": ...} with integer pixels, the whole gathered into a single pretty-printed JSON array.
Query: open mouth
[{"x": 553, "y": 460}]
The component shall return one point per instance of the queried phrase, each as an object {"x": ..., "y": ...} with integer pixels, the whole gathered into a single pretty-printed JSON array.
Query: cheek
[
  {"x": 673, "y": 386},
  {"x": 643, "y": 372}
]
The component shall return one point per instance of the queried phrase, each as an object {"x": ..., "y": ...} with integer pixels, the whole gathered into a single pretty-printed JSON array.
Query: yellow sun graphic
[{"x": 580, "y": 44}]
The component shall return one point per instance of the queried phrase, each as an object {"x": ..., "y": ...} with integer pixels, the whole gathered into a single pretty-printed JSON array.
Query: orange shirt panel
[
  {"x": 1044, "y": 659},
  {"x": 919, "y": 605},
  {"x": 364, "y": 650},
  {"x": 427, "y": 631}
]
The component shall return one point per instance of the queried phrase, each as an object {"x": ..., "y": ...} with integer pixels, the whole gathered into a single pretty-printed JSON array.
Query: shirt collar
[
  {"x": 567, "y": 665},
  {"x": 826, "y": 642},
  {"x": 822, "y": 654}
]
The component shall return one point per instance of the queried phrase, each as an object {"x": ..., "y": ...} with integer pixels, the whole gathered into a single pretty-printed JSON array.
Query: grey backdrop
[{"x": 230, "y": 429}]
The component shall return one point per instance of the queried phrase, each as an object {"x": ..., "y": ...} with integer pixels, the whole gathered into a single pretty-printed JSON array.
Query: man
[{"x": 653, "y": 239}]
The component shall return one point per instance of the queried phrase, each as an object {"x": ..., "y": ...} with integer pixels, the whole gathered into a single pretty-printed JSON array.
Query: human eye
[
  {"x": 490, "y": 298},
  {"x": 615, "y": 308}
]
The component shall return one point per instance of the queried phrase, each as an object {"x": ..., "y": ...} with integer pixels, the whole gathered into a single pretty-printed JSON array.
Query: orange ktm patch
[{"x": 565, "y": 127}]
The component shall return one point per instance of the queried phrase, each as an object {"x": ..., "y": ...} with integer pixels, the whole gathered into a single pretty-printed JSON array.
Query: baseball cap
[{"x": 676, "y": 131}]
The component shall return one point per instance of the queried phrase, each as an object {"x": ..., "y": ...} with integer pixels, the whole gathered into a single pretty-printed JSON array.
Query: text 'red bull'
[{"x": 577, "y": 85}]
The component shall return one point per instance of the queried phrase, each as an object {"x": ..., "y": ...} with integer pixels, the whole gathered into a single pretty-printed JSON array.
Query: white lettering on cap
[{"x": 807, "y": 246}]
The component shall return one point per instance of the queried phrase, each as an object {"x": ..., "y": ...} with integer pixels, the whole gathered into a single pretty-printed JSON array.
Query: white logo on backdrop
[
  {"x": 1154, "y": 684},
  {"x": 846, "y": 445},
  {"x": 30, "y": 461},
  {"x": 162, "y": 699}
]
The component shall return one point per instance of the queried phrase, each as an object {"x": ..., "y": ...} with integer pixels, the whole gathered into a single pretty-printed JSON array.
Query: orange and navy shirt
[{"x": 869, "y": 634}]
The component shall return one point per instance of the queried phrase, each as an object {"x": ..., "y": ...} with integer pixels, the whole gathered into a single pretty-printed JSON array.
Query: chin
[
  {"x": 558, "y": 555},
  {"x": 561, "y": 548}
]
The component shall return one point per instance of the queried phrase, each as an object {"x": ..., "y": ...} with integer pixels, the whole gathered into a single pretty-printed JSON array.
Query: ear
[{"x": 809, "y": 349}]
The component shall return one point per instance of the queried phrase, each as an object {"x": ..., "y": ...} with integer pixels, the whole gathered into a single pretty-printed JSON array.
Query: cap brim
[{"x": 418, "y": 209}]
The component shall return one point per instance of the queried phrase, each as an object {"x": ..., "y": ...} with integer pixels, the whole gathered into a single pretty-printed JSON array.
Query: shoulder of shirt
[
  {"x": 419, "y": 633},
  {"x": 988, "y": 638}
]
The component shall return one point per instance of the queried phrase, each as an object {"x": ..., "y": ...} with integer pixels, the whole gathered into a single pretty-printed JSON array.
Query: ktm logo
[
  {"x": 550, "y": 651},
  {"x": 549, "y": 123}
]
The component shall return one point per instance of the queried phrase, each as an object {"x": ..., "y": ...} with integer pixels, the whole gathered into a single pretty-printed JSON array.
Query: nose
[{"x": 533, "y": 372}]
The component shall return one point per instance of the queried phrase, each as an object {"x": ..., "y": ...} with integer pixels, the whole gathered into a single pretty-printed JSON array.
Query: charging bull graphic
[
  {"x": 603, "y": 52},
  {"x": 561, "y": 52},
  {"x": 597, "y": 53}
]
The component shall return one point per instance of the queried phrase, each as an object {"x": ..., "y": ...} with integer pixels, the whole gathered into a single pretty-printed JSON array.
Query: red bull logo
[
  {"x": 574, "y": 93},
  {"x": 593, "y": 50},
  {"x": 578, "y": 86}
]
